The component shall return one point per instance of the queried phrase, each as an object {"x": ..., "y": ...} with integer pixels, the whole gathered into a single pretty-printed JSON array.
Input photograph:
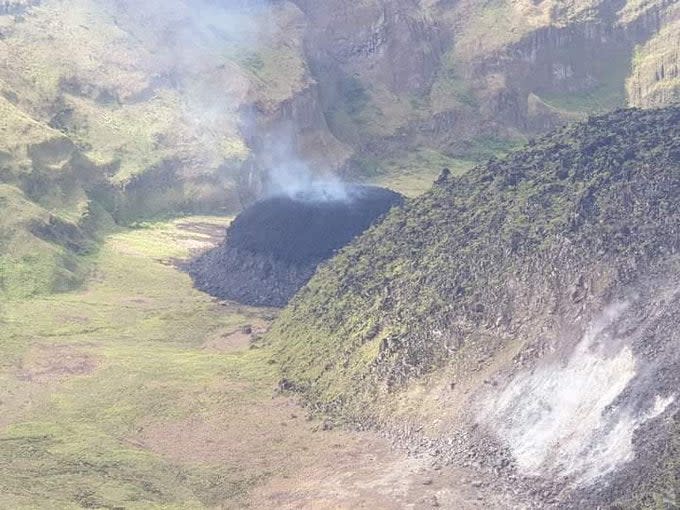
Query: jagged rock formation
[
  {"x": 274, "y": 247},
  {"x": 521, "y": 318},
  {"x": 655, "y": 80}
]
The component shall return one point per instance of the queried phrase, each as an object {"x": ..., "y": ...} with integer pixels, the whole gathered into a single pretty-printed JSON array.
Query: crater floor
[{"x": 140, "y": 392}]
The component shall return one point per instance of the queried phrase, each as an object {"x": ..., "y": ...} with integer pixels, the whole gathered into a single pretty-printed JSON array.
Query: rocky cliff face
[
  {"x": 655, "y": 79},
  {"x": 521, "y": 319},
  {"x": 369, "y": 37},
  {"x": 450, "y": 75},
  {"x": 208, "y": 87}
]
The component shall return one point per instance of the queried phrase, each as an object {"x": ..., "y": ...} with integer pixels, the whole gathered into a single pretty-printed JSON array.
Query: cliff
[
  {"x": 460, "y": 77},
  {"x": 167, "y": 106}
]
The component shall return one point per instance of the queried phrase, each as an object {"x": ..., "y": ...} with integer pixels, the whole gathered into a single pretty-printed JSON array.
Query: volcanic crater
[{"x": 273, "y": 247}]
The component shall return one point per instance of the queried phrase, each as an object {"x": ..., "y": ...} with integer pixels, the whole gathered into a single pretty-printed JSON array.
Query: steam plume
[{"x": 210, "y": 52}]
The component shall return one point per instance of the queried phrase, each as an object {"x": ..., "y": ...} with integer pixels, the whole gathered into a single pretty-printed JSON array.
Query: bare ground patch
[
  {"x": 366, "y": 473},
  {"x": 198, "y": 236},
  {"x": 311, "y": 468},
  {"x": 235, "y": 340},
  {"x": 256, "y": 435},
  {"x": 55, "y": 363},
  {"x": 29, "y": 385}
]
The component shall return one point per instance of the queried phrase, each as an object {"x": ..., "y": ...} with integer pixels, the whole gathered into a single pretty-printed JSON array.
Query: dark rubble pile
[{"x": 273, "y": 248}]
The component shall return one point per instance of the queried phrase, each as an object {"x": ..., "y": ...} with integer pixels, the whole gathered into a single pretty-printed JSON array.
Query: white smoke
[
  {"x": 563, "y": 418},
  {"x": 288, "y": 175},
  {"x": 211, "y": 50},
  {"x": 295, "y": 180},
  {"x": 249, "y": 27}
]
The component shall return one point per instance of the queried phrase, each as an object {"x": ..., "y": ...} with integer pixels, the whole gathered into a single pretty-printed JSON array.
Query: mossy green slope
[
  {"x": 406, "y": 295},
  {"x": 48, "y": 215},
  {"x": 136, "y": 86},
  {"x": 108, "y": 113}
]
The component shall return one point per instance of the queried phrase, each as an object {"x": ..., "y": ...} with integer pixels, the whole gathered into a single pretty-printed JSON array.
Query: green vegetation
[
  {"x": 368, "y": 109},
  {"x": 106, "y": 119},
  {"x": 484, "y": 147},
  {"x": 84, "y": 375},
  {"x": 413, "y": 173},
  {"x": 463, "y": 279},
  {"x": 97, "y": 71},
  {"x": 609, "y": 94},
  {"x": 101, "y": 110},
  {"x": 450, "y": 90},
  {"x": 137, "y": 391},
  {"x": 102, "y": 116},
  {"x": 47, "y": 217},
  {"x": 654, "y": 80},
  {"x": 603, "y": 98},
  {"x": 482, "y": 30}
]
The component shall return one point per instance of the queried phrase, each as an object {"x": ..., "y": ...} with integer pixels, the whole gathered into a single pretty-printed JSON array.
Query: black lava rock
[{"x": 273, "y": 248}]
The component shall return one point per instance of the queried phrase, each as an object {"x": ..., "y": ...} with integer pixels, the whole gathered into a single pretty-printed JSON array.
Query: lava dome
[{"x": 273, "y": 248}]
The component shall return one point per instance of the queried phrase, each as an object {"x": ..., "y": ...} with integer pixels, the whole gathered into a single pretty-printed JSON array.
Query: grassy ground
[
  {"x": 139, "y": 392},
  {"x": 85, "y": 375},
  {"x": 413, "y": 173}
]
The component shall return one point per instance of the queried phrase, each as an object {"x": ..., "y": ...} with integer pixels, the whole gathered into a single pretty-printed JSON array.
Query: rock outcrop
[
  {"x": 452, "y": 75},
  {"x": 655, "y": 79}
]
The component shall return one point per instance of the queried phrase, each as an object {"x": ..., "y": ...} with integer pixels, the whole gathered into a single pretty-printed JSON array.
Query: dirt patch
[
  {"x": 200, "y": 236},
  {"x": 234, "y": 340},
  {"x": 311, "y": 468},
  {"x": 250, "y": 435},
  {"x": 54, "y": 363},
  {"x": 367, "y": 473},
  {"x": 229, "y": 342},
  {"x": 204, "y": 229}
]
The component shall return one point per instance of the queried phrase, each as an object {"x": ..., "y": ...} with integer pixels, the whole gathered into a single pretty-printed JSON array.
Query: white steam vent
[
  {"x": 291, "y": 176},
  {"x": 560, "y": 419}
]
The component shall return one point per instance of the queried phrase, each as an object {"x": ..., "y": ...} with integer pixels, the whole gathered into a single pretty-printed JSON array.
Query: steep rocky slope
[
  {"x": 459, "y": 76},
  {"x": 655, "y": 79},
  {"x": 521, "y": 318}
]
